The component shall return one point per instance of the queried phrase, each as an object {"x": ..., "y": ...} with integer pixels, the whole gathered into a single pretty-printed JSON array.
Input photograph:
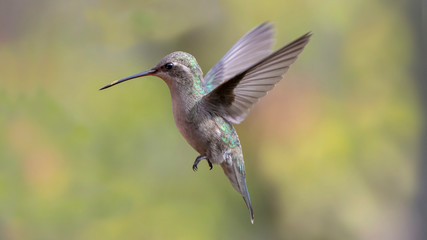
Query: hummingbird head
[{"x": 177, "y": 68}]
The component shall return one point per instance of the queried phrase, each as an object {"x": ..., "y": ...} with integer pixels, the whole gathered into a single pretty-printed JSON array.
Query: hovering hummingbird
[{"x": 204, "y": 108}]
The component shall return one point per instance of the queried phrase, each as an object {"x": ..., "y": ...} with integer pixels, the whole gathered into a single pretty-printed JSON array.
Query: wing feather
[
  {"x": 234, "y": 97},
  {"x": 251, "y": 48}
]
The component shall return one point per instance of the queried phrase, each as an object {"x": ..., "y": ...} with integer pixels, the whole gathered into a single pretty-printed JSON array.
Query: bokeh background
[{"x": 333, "y": 152}]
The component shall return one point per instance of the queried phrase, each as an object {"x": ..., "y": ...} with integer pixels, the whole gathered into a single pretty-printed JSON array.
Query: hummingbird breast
[
  {"x": 210, "y": 135},
  {"x": 189, "y": 125}
]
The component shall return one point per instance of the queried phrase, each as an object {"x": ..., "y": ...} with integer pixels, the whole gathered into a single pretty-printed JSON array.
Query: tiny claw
[{"x": 198, "y": 159}]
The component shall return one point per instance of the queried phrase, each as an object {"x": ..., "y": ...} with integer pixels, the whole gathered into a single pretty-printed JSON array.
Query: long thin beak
[{"x": 141, "y": 74}]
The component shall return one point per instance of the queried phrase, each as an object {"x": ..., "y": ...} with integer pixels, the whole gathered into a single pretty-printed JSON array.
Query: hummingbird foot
[{"x": 200, "y": 158}]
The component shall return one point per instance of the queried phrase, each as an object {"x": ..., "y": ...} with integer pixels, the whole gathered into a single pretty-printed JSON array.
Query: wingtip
[
  {"x": 304, "y": 39},
  {"x": 267, "y": 23},
  {"x": 308, "y": 34},
  {"x": 266, "y": 26}
]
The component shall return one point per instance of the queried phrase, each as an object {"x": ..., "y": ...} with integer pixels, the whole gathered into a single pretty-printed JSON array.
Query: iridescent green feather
[{"x": 229, "y": 135}]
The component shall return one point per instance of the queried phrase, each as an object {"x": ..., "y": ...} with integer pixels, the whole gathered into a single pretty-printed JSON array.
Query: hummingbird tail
[{"x": 236, "y": 174}]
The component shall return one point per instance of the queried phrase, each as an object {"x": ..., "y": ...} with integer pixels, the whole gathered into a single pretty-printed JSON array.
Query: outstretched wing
[
  {"x": 251, "y": 48},
  {"x": 234, "y": 98}
]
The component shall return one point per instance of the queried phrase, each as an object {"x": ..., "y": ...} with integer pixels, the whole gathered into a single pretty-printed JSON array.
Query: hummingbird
[{"x": 205, "y": 108}]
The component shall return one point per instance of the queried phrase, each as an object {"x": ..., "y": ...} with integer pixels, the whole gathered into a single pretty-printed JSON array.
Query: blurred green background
[{"x": 331, "y": 153}]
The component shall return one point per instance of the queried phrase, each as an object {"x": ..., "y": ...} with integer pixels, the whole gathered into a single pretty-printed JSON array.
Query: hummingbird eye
[{"x": 169, "y": 66}]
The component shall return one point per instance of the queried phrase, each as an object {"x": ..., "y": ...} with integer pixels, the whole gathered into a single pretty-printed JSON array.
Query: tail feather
[{"x": 236, "y": 174}]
